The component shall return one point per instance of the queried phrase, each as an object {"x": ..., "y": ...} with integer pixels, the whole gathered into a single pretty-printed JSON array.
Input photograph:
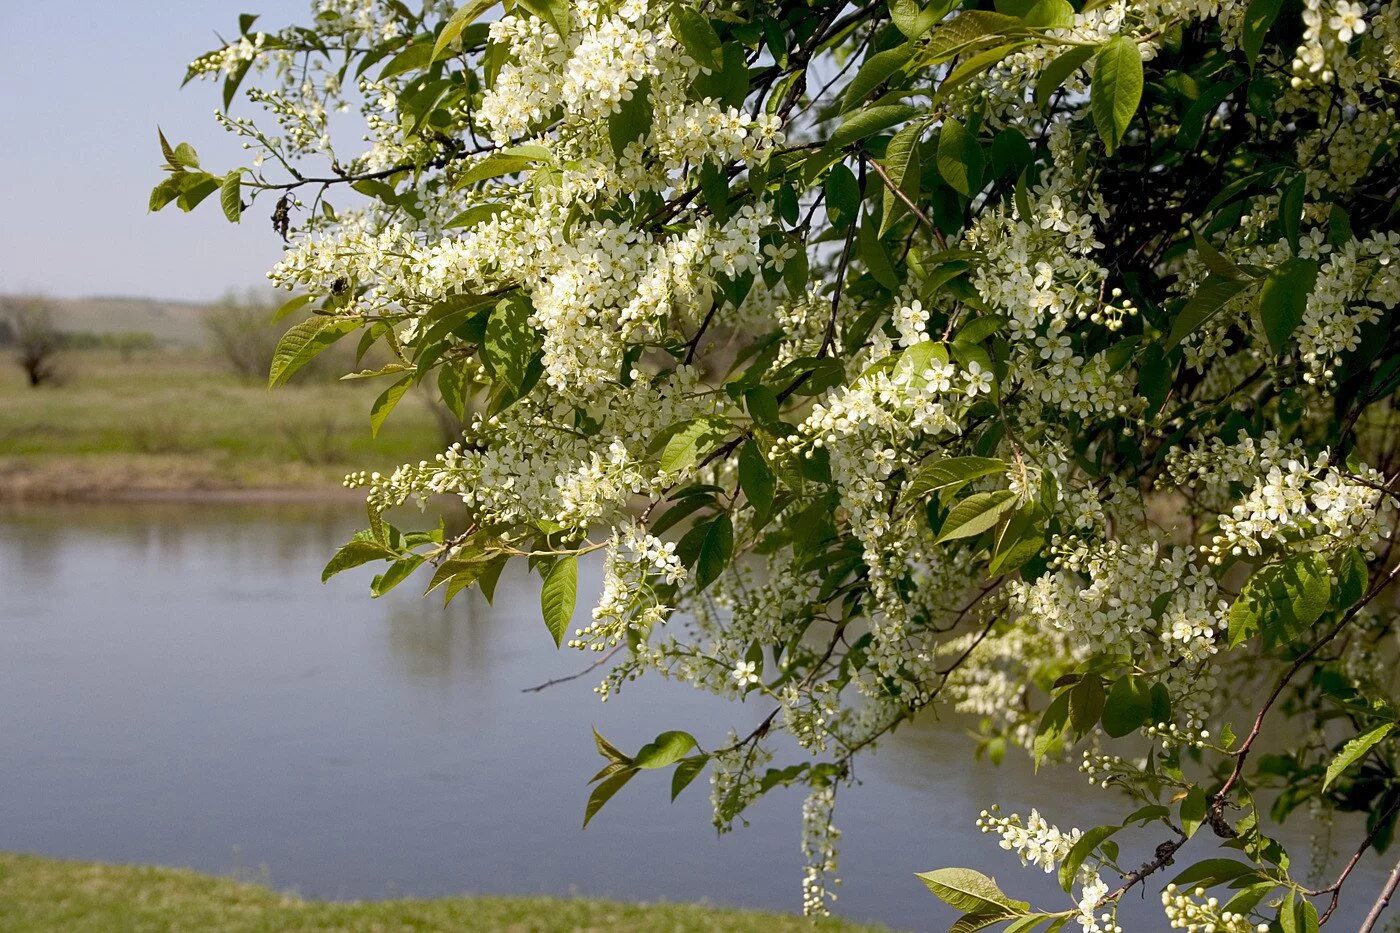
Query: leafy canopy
[{"x": 1029, "y": 359}]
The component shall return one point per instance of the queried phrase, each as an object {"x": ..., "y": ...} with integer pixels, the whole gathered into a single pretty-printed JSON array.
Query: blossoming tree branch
[{"x": 1032, "y": 360}]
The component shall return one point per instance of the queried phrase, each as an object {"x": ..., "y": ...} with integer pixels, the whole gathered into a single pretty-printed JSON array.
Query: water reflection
[{"x": 176, "y": 686}]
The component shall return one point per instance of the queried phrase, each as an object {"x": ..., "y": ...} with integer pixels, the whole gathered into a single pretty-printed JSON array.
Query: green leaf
[
  {"x": 414, "y": 58},
  {"x": 1081, "y": 850},
  {"x": 165, "y": 192},
  {"x": 951, "y": 473},
  {"x": 755, "y": 478},
  {"x": 1259, "y": 16},
  {"x": 1352, "y": 578},
  {"x": 903, "y": 165},
  {"x": 876, "y": 70},
  {"x": 554, "y": 12},
  {"x": 1354, "y": 751},
  {"x": 913, "y": 20},
  {"x": 1297, "y": 915},
  {"x": 685, "y": 444},
  {"x": 510, "y": 341},
  {"x": 633, "y": 118},
  {"x": 1249, "y": 897},
  {"x": 959, "y": 158},
  {"x": 166, "y": 150},
  {"x": 386, "y": 403},
  {"x": 686, "y": 771},
  {"x": 494, "y": 166},
  {"x": 459, "y": 572},
  {"x": 1283, "y": 300},
  {"x": 981, "y": 920},
  {"x": 1051, "y": 727},
  {"x": 871, "y": 120},
  {"x": 1086, "y": 702},
  {"x": 975, "y": 514},
  {"x": 558, "y": 596},
  {"x": 715, "y": 551},
  {"x": 459, "y": 21},
  {"x": 1212, "y": 295},
  {"x": 969, "y": 891},
  {"x": 1218, "y": 264},
  {"x": 1210, "y": 872},
  {"x": 357, "y": 552},
  {"x": 185, "y": 156},
  {"x": 608, "y": 750},
  {"x": 292, "y": 306},
  {"x": 1117, "y": 88},
  {"x": 1290, "y": 210},
  {"x": 1058, "y": 72},
  {"x": 1301, "y": 586},
  {"x": 399, "y": 571},
  {"x": 697, "y": 35},
  {"x": 842, "y": 195},
  {"x": 1127, "y": 707},
  {"x": 303, "y": 342},
  {"x": 1193, "y": 810},
  {"x": 1050, "y": 14},
  {"x": 666, "y": 749},
  {"x": 967, "y": 30},
  {"x": 604, "y": 791},
  {"x": 198, "y": 186},
  {"x": 230, "y": 195},
  {"x": 872, "y": 252}
]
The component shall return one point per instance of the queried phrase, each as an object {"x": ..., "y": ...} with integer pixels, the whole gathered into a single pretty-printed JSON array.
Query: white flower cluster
[
  {"x": 1353, "y": 283},
  {"x": 608, "y": 57},
  {"x": 819, "y": 841},
  {"x": 1196, "y": 913},
  {"x": 1328, "y": 27},
  {"x": 1040, "y": 843},
  {"x": 1290, "y": 500},
  {"x": 1138, "y": 599},
  {"x": 634, "y": 564},
  {"x": 1039, "y": 273},
  {"x": 538, "y": 466}
]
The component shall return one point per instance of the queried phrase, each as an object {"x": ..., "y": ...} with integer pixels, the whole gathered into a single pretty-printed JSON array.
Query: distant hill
[{"x": 178, "y": 323}]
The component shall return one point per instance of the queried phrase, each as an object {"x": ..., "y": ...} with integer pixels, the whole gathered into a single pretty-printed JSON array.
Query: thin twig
[
  {"x": 1374, "y": 915},
  {"x": 575, "y": 676},
  {"x": 1335, "y": 888},
  {"x": 913, "y": 208}
]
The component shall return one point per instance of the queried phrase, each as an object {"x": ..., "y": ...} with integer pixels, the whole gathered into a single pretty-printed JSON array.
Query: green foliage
[
  {"x": 559, "y": 595},
  {"x": 1118, "y": 80},
  {"x": 1031, "y": 361}
]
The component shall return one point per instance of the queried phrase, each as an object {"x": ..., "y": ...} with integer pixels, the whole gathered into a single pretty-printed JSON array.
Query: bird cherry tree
[{"x": 1032, "y": 360}]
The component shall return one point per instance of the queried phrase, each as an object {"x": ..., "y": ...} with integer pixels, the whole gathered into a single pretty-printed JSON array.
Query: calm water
[{"x": 176, "y": 687}]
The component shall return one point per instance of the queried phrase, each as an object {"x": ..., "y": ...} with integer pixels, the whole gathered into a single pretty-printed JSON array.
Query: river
[{"x": 177, "y": 687}]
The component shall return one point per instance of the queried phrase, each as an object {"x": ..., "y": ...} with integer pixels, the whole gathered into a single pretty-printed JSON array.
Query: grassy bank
[
  {"x": 180, "y": 422},
  {"x": 39, "y": 894}
]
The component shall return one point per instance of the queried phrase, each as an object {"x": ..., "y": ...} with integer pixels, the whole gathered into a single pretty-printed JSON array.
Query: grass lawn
[
  {"x": 46, "y": 894},
  {"x": 180, "y": 421}
]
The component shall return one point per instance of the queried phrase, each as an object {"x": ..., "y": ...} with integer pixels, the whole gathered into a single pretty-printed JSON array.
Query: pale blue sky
[{"x": 82, "y": 87}]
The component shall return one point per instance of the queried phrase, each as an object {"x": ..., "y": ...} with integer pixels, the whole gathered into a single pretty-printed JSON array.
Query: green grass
[
  {"x": 180, "y": 420},
  {"x": 46, "y": 894}
]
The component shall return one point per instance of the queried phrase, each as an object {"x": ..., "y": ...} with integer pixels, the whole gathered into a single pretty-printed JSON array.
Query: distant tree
[
  {"x": 242, "y": 332},
  {"x": 35, "y": 338}
]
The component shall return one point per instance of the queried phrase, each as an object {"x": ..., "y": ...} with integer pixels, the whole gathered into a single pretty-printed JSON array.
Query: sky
[{"x": 83, "y": 86}]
